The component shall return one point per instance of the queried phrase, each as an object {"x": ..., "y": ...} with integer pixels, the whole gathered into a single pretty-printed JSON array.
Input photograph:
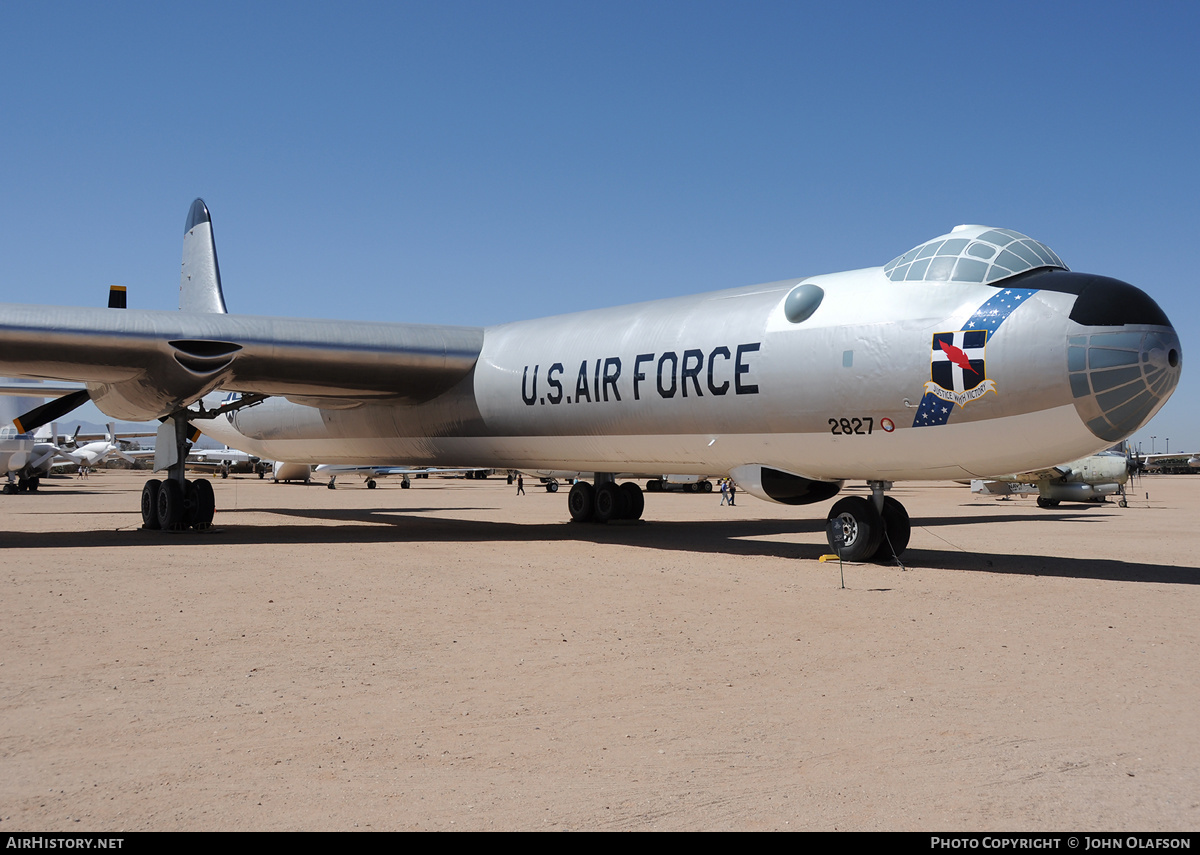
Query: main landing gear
[
  {"x": 874, "y": 529},
  {"x": 168, "y": 506},
  {"x": 606, "y": 500},
  {"x": 176, "y": 503}
]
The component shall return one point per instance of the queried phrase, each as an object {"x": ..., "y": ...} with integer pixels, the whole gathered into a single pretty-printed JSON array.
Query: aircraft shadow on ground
[{"x": 734, "y": 537}]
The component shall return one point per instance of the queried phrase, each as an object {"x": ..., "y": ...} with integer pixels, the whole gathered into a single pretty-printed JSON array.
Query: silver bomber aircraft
[{"x": 973, "y": 355}]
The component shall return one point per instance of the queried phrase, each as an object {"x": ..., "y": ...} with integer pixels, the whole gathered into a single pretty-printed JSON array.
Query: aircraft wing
[
  {"x": 39, "y": 390},
  {"x": 140, "y": 365},
  {"x": 1036, "y": 475}
]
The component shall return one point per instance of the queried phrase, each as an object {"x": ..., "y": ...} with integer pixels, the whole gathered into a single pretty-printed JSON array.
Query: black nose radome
[{"x": 1103, "y": 301}]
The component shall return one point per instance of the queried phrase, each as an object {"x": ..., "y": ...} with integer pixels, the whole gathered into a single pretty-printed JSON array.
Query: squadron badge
[{"x": 957, "y": 369}]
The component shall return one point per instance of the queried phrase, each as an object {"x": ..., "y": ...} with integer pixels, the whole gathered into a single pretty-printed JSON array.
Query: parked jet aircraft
[{"x": 974, "y": 354}]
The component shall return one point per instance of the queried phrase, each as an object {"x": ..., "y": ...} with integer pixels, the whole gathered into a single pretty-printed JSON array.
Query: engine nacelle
[
  {"x": 291, "y": 471},
  {"x": 783, "y": 487}
]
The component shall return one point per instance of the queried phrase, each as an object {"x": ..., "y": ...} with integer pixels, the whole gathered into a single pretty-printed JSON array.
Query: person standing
[
  {"x": 724, "y": 492},
  {"x": 732, "y": 493},
  {"x": 520, "y": 484}
]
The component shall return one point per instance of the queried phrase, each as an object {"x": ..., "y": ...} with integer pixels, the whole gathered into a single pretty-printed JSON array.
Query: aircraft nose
[{"x": 1125, "y": 370}]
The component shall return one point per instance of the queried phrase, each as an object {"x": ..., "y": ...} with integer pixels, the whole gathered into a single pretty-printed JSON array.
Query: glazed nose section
[{"x": 1121, "y": 376}]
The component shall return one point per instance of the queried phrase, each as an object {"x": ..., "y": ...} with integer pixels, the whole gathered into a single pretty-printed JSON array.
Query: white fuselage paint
[{"x": 629, "y": 389}]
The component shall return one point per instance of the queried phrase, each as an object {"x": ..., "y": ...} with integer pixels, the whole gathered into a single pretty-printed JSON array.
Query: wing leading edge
[{"x": 141, "y": 365}]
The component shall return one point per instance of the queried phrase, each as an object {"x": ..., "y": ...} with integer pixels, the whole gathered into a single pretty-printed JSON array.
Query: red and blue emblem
[{"x": 957, "y": 369}]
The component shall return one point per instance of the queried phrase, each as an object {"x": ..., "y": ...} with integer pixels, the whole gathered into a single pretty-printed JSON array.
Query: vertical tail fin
[{"x": 200, "y": 276}]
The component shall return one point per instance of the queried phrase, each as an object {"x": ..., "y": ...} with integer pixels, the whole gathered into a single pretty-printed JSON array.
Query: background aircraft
[
  {"x": 371, "y": 474},
  {"x": 1171, "y": 464},
  {"x": 25, "y": 458},
  {"x": 226, "y": 460},
  {"x": 1089, "y": 479}
]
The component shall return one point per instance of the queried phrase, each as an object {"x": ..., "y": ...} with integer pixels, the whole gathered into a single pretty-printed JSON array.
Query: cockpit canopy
[{"x": 972, "y": 254}]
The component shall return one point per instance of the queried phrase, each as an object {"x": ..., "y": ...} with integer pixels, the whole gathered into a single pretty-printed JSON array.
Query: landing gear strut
[
  {"x": 875, "y": 529},
  {"x": 605, "y": 501}
]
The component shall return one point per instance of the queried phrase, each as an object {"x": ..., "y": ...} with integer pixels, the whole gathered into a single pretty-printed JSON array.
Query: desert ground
[{"x": 455, "y": 657}]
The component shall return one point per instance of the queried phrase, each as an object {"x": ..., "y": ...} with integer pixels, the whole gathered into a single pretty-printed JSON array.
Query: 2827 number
[{"x": 852, "y": 427}]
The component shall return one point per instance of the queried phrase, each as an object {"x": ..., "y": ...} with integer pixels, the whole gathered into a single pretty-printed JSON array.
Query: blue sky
[{"x": 482, "y": 162}]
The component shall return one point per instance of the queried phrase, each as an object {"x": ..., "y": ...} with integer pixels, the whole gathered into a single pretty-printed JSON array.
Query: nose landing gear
[{"x": 875, "y": 529}]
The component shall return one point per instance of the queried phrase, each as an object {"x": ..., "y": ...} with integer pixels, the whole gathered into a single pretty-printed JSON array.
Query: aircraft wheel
[
  {"x": 261, "y": 475},
  {"x": 637, "y": 501},
  {"x": 170, "y": 505},
  {"x": 188, "y": 519},
  {"x": 861, "y": 525},
  {"x": 370, "y": 485},
  {"x": 1043, "y": 502},
  {"x": 611, "y": 502},
  {"x": 9, "y": 489},
  {"x": 34, "y": 483},
  {"x": 654, "y": 485},
  {"x": 551, "y": 486},
  {"x": 150, "y": 491},
  {"x": 706, "y": 486},
  {"x": 405, "y": 485},
  {"x": 580, "y": 501},
  {"x": 1123, "y": 503},
  {"x": 896, "y": 530},
  {"x": 206, "y": 503}
]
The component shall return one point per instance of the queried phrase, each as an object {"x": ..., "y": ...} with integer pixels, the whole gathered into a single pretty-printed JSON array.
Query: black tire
[
  {"x": 170, "y": 505},
  {"x": 862, "y": 525},
  {"x": 706, "y": 486},
  {"x": 190, "y": 505},
  {"x": 551, "y": 486},
  {"x": 206, "y": 503},
  {"x": 611, "y": 502},
  {"x": 405, "y": 485},
  {"x": 896, "y": 530},
  {"x": 9, "y": 489},
  {"x": 371, "y": 485},
  {"x": 654, "y": 485},
  {"x": 637, "y": 501},
  {"x": 150, "y": 492},
  {"x": 1043, "y": 502},
  {"x": 581, "y": 501},
  {"x": 34, "y": 483}
]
